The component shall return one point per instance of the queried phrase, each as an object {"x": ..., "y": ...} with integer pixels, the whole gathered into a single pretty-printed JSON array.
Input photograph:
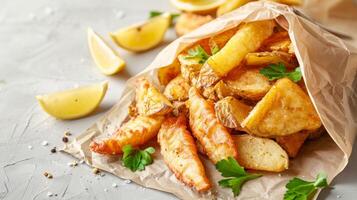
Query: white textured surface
[{"x": 44, "y": 49}]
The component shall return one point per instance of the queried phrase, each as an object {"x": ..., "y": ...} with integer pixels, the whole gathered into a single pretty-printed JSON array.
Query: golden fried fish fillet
[
  {"x": 137, "y": 131},
  {"x": 284, "y": 110},
  {"x": 214, "y": 137},
  {"x": 180, "y": 153}
]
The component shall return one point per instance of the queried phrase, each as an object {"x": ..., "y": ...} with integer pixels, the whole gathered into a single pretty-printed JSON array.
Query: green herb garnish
[
  {"x": 198, "y": 53},
  {"x": 238, "y": 176},
  {"x": 214, "y": 47},
  {"x": 135, "y": 159},
  {"x": 298, "y": 189},
  {"x": 277, "y": 71},
  {"x": 155, "y": 13}
]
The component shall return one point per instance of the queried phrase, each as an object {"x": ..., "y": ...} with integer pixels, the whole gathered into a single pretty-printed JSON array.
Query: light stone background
[{"x": 43, "y": 48}]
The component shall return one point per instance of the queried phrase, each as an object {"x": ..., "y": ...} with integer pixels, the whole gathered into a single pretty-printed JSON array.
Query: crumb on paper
[
  {"x": 81, "y": 161},
  {"x": 67, "y": 133},
  {"x": 127, "y": 181},
  {"x": 72, "y": 164},
  {"x": 105, "y": 190},
  {"x": 30, "y": 147},
  {"x": 48, "y": 175},
  {"x": 53, "y": 150},
  {"x": 65, "y": 139},
  {"x": 44, "y": 143},
  {"x": 49, "y": 194},
  {"x": 114, "y": 185},
  {"x": 95, "y": 170}
]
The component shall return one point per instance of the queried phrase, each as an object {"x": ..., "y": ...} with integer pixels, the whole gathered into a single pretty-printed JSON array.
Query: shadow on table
[{"x": 347, "y": 176}]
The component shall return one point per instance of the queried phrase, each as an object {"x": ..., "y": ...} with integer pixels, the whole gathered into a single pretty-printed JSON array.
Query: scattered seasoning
[
  {"x": 53, "y": 150},
  {"x": 49, "y": 194},
  {"x": 339, "y": 196},
  {"x": 67, "y": 133},
  {"x": 114, "y": 185},
  {"x": 81, "y": 161},
  {"x": 72, "y": 164},
  {"x": 48, "y": 175},
  {"x": 105, "y": 190},
  {"x": 65, "y": 139},
  {"x": 44, "y": 143},
  {"x": 30, "y": 147},
  {"x": 95, "y": 170},
  {"x": 127, "y": 181}
]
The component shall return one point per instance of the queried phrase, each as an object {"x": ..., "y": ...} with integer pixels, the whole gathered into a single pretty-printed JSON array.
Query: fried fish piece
[
  {"x": 292, "y": 143},
  {"x": 150, "y": 101},
  {"x": 177, "y": 89},
  {"x": 284, "y": 110},
  {"x": 180, "y": 153},
  {"x": 137, "y": 131},
  {"x": 213, "y": 136},
  {"x": 188, "y": 22},
  {"x": 260, "y": 153}
]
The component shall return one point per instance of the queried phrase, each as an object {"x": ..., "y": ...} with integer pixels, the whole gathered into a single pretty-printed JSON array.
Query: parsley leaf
[
  {"x": 137, "y": 159},
  {"x": 214, "y": 47},
  {"x": 199, "y": 53},
  {"x": 277, "y": 71},
  {"x": 238, "y": 176},
  {"x": 155, "y": 13},
  {"x": 298, "y": 189}
]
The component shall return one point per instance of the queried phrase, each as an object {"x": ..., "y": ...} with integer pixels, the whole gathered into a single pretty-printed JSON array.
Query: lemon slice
[
  {"x": 143, "y": 36},
  {"x": 197, "y": 6},
  {"x": 73, "y": 103},
  {"x": 107, "y": 60}
]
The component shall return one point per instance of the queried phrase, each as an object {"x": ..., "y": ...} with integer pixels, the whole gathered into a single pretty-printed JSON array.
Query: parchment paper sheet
[{"x": 329, "y": 70}]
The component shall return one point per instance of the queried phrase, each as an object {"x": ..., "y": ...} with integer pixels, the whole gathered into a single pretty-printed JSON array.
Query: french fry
[
  {"x": 247, "y": 83},
  {"x": 292, "y": 143},
  {"x": 149, "y": 101},
  {"x": 231, "y": 112},
  {"x": 166, "y": 74},
  {"x": 137, "y": 131},
  {"x": 177, "y": 89},
  {"x": 246, "y": 40},
  {"x": 180, "y": 153},
  {"x": 267, "y": 58},
  {"x": 284, "y": 110},
  {"x": 260, "y": 153},
  {"x": 212, "y": 135}
]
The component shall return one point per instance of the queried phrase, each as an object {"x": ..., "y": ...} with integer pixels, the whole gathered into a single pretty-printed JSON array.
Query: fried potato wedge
[
  {"x": 231, "y": 112},
  {"x": 248, "y": 84},
  {"x": 213, "y": 136},
  {"x": 260, "y": 153},
  {"x": 188, "y": 22},
  {"x": 292, "y": 143},
  {"x": 267, "y": 58},
  {"x": 166, "y": 74},
  {"x": 190, "y": 68},
  {"x": 207, "y": 77},
  {"x": 137, "y": 131},
  {"x": 246, "y": 40},
  {"x": 149, "y": 101},
  {"x": 177, "y": 89},
  {"x": 180, "y": 108},
  {"x": 180, "y": 153},
  {"x": 284, "y": 110}
]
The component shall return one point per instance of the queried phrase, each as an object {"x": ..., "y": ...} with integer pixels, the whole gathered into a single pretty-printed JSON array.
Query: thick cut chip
[
  {"x": 248, "y": 84},
  {"x": 246, "y": 40},
  {"x": 213, "y": 136},
  {"x": 150, "y": 101},
  {"x": 260, "y": 153},
  {"x": 190, "y": 68},
  {"x": 180, "y": 153},
  {"x": 267, "y": 58},
  {"x": 188, "y": 22},
  {"x": 166, "y": 74},
  {"x": 284, "y": 110},
  {"x": 137, "y": 131},
  {"x": 231, "y": 112},
  {"x": 292, "y": 143},
  {"x": 177, "y": 89}
]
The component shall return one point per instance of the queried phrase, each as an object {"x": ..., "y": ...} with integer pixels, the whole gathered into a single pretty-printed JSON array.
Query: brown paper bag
[{"x": 329, "y": 70}]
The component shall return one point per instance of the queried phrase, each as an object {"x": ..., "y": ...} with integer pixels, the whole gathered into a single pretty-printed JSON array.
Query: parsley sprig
[
  {"x": 155, "y": 13},
  {"x": 237, "y": 175},
  {"x": 198, "y": 52},
  {"x": 135, "y": 159},
  {"x": 298, "y": 189},
  {"x": 277, "y": 71}
]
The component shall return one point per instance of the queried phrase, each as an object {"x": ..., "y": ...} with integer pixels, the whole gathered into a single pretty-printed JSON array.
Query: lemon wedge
[
  {"x": 143, "y": 36},
  {"x": 197, "y": 6},
  {"x": 73, "y": 103},
  {"x": 107, "y": 60},
  {"x": 230, "y": 5}
]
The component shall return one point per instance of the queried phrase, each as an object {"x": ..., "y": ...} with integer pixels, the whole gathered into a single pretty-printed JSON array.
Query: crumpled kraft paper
[{"x": 329, "y": 69}]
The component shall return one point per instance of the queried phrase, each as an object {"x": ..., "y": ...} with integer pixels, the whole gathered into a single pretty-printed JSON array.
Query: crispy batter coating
[
  {"x": 188, "y": 22},
  {"x": 137, "y": 131},
  {"x": 214, "y": 137},
  {"x": 180, "y": 153}
]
